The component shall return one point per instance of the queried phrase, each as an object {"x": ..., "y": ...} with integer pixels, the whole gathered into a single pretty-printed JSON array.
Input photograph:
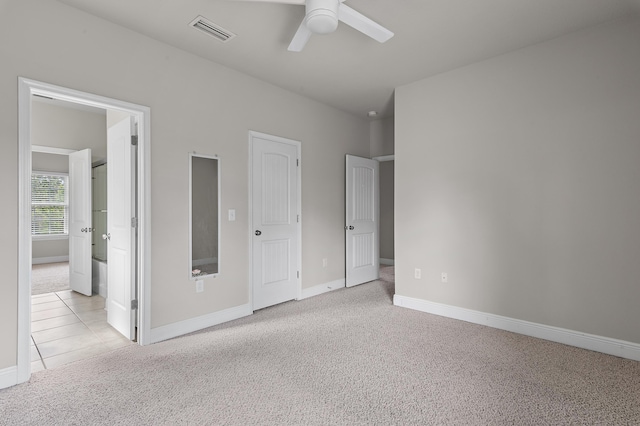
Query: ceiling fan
[{"x": 322, "y": 17}]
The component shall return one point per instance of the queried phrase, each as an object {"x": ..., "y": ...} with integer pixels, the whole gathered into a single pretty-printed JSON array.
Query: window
[{"x": 49, "y": 204}]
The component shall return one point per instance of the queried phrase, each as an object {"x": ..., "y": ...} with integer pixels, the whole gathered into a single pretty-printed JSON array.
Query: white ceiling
[{"x": 346, "y": 69}]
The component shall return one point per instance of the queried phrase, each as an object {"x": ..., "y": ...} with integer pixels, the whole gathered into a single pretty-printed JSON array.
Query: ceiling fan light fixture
[{"x": 322, "y": 16}]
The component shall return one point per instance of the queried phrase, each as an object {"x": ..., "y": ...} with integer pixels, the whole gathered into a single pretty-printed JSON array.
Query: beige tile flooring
[{"x": 67, "y": 326}]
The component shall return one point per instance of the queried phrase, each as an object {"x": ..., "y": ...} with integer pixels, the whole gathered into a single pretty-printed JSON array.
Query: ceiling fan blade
[
  {"x": 300, "y": 39},
  {"x": 363, "y": 24},
  {"x": 277, "y": 1}
]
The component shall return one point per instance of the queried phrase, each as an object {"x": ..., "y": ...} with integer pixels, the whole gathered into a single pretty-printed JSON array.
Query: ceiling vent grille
[{"x": 214, "y": 30}]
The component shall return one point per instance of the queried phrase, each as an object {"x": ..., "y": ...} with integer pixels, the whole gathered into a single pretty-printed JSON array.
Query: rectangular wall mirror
[{"x": 204, "y": 215}]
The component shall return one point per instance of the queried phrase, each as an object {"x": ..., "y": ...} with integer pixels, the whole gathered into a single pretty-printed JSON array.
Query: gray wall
[
  {"x": 66, "y": 47},
  {"x": 63, "y": 127},
  {"x": 381, "y": 137},
  {"x": 519, "y": 177}
]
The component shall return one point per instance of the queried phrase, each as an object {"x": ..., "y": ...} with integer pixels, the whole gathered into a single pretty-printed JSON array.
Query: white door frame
[
  {"x": 27, "y": 88},
  {"x": 298, "y": 145}
]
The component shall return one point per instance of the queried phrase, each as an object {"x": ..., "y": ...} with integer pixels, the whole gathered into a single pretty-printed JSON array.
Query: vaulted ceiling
[{"x": 346, "y": 69}]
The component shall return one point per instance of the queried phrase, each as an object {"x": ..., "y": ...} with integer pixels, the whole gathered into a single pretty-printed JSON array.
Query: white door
[
  {"x": 80, "y": 275},
  {"x": 275, "y": 220},
  {"x": 120, "y": 232},
  {"x": 362, "y": 217}
]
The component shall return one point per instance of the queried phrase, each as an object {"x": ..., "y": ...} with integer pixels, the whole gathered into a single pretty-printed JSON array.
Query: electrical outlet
[
  {"x": 444, "y": 277},
  {"x": 417, "y": 273},
  {"x": 324, "y": 262},
  {"x": 199, "y": 286}
]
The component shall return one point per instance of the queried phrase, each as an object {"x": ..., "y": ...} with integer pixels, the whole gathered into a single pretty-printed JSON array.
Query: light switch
[{"x": 232, "y": 215}]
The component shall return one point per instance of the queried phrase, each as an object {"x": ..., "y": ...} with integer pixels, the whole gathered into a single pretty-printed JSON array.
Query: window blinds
[{"x": 49, "y": 204}]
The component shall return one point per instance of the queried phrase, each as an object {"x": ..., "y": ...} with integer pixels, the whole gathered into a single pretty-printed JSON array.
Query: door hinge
[
  {"x": 297, "y": 162},
  {"x": 134, "y": 304},
  {"x": 134, "y": 140},
  {"x": 134, "y": 222},
  {"x": 298, "y": 274},
  {"x": 298, "y": 219}
]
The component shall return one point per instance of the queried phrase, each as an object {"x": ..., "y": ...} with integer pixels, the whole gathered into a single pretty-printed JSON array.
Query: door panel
[
  {"x": 120, "y": 233},
  {"x": 362, "y": 213},
  {"x": 275, "y": 221},
  {"x": 80, "y": 275}
]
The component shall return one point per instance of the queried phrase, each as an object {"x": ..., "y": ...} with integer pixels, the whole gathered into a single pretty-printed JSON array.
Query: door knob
[
  {"x": 83, "y": 230},
  {"x": 258, "y": 232},
  {"x": 106, "y": 236},
  {"x": 351, "y": 228}
]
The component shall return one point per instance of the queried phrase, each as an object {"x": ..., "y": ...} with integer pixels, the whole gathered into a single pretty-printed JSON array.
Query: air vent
[{"x": 214, "y": 30}]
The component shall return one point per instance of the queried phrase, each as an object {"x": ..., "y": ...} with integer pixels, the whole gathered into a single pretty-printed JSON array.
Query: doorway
[{"x": 141, "y": 254}]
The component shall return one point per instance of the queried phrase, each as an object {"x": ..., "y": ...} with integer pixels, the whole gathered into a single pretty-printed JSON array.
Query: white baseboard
[
  {"x": 592, "y": 342},
  {"x": 180, "y": 328},
  {"x": 322, "y": 288},
  {"x": 207, "y": 261},
  {"x": 52, "y": 259},
  {"x": 8, "y": 377},
  {"x": 387, "y": 261}
]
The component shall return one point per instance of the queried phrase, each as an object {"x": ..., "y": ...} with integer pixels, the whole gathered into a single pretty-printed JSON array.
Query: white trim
[
  {"x": 384, "y": 261},
  {"x": 27, "y": 88},
  {"x": 51, "y": 237},
  {"x": 322, "y": 288},
  {"x": 382, "y": 158},
  {"x": 592, "y": 342},
  {"x": 51, "y": 150},
  {"x": 51, "y": 259},
  {"x": 8, "y": 377},
  {"x": 23, "y": 355},
  {"x": 298, "y": 145},
  {"x": 180, "y": 328}
]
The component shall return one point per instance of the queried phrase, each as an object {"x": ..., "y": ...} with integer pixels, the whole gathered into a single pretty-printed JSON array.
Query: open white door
[
  {"x": 120, "y": 227},
  {"x": 80, "y": 221},
  {"x": 362, "y": 221},
  {"x": 275, "y": 220}
]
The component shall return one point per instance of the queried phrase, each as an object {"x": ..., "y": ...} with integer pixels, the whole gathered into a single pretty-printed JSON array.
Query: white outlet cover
[
  {"x": 232, "y": 215},
  {"x": 444, "y": 277},
  {"x": 199, "y": 286}
]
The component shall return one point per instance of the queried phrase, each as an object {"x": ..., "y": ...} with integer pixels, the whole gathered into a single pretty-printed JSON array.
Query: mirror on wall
[{"x": 204, "y": 217}]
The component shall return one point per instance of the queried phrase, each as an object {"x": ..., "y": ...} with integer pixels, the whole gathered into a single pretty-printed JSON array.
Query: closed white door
[
  {"x": 80, "y": 275},
  {"x": 274, "y": 219},
  {"x": 120, "y": 230},
  {"x": 362, "y": 220}
]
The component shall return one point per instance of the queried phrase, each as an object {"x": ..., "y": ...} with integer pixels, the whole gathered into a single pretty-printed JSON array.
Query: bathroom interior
[
  {"x": 65, "y": 325},
  {"x": 99, "y": 222}
]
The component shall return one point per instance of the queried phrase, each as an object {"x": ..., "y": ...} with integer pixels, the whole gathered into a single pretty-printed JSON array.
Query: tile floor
[{"x": 67, "y": 326}]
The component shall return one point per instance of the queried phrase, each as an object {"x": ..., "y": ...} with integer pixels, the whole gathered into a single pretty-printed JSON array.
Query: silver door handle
[
  {"x": 106, "y": 236},
  {"x": 258, "y": 232},
  {"x": 350, "y": 228},
  {"x": 83, "y": 230}
]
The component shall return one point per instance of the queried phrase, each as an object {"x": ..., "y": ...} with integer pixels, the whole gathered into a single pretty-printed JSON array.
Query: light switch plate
[{"x": 232, "y": 215}]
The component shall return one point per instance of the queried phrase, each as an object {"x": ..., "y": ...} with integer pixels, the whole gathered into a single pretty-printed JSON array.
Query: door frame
[
  {"x": 298, "y": 145},
  {"x": 27, "y": 88}
]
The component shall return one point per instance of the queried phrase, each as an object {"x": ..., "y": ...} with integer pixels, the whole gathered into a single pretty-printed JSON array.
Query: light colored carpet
[
  {"x": 343, "y": 358},
  {"x": 49, "y": 277}
]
